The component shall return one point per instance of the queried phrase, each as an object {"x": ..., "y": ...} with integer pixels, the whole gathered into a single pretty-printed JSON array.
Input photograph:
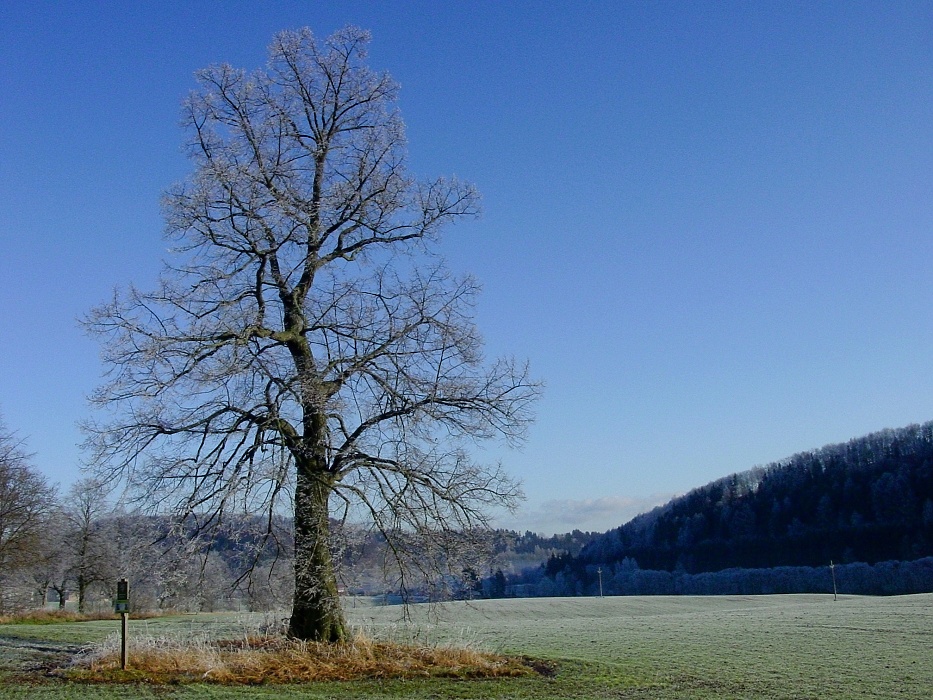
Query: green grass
[{"x": 778, "y": 647}]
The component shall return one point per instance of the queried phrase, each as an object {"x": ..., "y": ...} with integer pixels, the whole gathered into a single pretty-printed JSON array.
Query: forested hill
[{"x": 867, "y": 500}]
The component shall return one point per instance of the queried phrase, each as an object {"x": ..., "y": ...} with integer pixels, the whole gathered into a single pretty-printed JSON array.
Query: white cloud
[{"x": 592, "y": 514}]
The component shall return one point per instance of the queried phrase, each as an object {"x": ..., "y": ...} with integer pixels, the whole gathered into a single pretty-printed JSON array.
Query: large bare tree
[{"x": 307, "y": 345}]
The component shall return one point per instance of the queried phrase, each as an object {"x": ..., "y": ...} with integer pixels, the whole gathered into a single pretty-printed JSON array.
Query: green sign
[{"x": 121, "y": 603}]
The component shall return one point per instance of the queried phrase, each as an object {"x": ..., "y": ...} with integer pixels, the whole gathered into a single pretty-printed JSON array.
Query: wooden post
[
  {"x": 123, "y": 617},
  {"x": 599, "y": 572},
  {"x": 121, "y": 604},
  {"x": 832, "y": 569}
]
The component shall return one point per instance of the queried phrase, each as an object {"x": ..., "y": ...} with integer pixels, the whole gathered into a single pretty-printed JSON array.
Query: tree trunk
[
  {"x": 316, "y": 614},
  {"x": 82, "y": 592},
  {"x": 62, "y": 595}
]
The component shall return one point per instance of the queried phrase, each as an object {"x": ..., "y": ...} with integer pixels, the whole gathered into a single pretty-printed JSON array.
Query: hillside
[{"x": 868, "y": 500}]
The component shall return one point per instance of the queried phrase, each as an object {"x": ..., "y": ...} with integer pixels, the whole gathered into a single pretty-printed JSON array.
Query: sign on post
[{"x": 121, "y": 603}]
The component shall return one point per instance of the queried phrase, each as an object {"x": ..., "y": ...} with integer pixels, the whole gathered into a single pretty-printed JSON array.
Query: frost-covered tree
[
  {"x": 85, "y": 525},
  {"x": 26, "y": 502},
  {"x": 305, "y": 345}
]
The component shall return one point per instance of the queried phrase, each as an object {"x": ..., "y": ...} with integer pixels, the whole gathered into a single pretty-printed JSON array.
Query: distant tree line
[
  {"x": 865, "y": 503},
  {"x": 626, "y": 578}
]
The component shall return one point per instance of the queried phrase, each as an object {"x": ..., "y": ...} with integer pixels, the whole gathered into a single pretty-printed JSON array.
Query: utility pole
[
  {"x": 599, "y": 572},
  {"x": 832, "y": 569}
]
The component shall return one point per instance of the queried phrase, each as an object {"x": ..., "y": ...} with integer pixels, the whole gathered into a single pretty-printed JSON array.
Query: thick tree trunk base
[
  {"x": 316, "y": 614},
  {"x": 317, "y": 623}
]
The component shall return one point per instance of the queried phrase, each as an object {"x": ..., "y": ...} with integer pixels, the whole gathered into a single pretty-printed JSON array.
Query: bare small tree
[
  {"x": 49, "y": 570},
  {"x": 306, "y": 346},
  {"x": 26, "y": 502},
  {"x": 90, "y": 555}
]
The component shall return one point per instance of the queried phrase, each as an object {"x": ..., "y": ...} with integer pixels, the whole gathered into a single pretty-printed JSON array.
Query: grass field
[{"x": 633, "y": 647}]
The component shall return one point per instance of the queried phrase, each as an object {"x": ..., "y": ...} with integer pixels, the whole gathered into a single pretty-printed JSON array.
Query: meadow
[{"x": 802, "y": 646}]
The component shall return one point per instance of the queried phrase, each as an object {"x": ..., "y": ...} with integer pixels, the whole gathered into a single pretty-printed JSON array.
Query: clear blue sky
[{"x": 709, "y": 226}]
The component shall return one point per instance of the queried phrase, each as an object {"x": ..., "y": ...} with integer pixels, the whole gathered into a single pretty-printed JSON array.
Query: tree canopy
[{"x": 306, "y": 345}]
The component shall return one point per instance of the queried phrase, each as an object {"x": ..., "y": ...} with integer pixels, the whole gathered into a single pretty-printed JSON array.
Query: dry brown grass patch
[
  {"x": 256, "y": 660},
  {"x": 56, "y": 616},
  {"x": 40, "y": 617}
]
